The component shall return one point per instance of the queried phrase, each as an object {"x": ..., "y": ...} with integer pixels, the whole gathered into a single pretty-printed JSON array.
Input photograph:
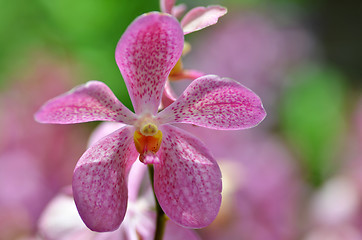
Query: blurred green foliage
[
  {"x": 83, "y": 31},
  {"x": 313, "y": 115}
]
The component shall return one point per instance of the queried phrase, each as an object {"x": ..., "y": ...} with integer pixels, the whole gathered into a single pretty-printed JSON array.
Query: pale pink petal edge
[{"x": 201, "y": 17}]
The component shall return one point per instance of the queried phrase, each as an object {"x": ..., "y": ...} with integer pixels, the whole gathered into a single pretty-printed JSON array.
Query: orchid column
[{"x": 187, "y": 179}]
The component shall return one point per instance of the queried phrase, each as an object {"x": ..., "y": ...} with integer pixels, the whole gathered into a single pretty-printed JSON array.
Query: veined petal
[
  {"x": 145, "y": 55},
  {"x": 100, "y": 180},
  {"x": 201, "y": 17},
  {"x": 93, "y": 101},
  {"x": 187, "y": 180},
  {"x": 214, "y": 102},
  {"x": 167, "y": 5}
]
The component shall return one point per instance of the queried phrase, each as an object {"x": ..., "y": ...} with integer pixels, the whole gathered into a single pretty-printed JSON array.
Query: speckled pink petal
[
  {"x": 214, "y": 102},
  {"x": 145, "y": 54},
  {"x": 100, "y": 180},
  {"x": 201, "y": 17},
  {"x": 93, "y": 101},
  {"x": 187, "y": 179}
]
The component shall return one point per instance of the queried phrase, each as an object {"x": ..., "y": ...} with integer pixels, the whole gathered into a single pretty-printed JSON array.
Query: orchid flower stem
[{"x": 161, "y": 216}]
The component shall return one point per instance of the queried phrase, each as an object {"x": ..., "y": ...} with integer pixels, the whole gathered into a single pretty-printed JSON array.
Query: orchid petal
[
  {"x": 168, "y": 96},
  {"x": 186, "y": 74},
  {"x": 100, "y": 180},
  {"x": 201, "y": 17},
  {"x": 149, "y": 158},
  {"x": 167, "y": 5},
  {"x": 187, "y": 180},
  {"x": 60, "y": 220},
  {"x": 93, "y": 101},
  {"x": 135, "y": 177},
  {"x": 178, "y": 10},
  {"x": 145, "y": 55},
  {"x": 176, "y": 232},
  {"x": 214, "y": 102}
]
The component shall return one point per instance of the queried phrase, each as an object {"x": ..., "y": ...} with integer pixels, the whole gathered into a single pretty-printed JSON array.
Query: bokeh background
[{"x": 298, "y": 175}]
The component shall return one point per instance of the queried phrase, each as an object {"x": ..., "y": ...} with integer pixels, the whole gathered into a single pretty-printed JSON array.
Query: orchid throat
[{"x": 147, "y": 137}]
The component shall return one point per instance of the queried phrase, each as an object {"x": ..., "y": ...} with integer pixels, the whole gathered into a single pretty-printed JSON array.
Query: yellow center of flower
[{"x": 148, "y": 137}]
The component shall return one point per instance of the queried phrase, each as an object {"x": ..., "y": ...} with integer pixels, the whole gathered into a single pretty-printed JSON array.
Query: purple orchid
[{"x": 187, "y": 179}]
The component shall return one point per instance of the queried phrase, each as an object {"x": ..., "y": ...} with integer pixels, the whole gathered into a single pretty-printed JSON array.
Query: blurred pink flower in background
[
  {"x": 36, "y": 161},
  {"x": 335, "y": 209}
]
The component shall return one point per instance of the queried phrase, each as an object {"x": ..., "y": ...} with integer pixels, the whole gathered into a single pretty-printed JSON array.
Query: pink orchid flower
[{"x": 187, "y": 179}]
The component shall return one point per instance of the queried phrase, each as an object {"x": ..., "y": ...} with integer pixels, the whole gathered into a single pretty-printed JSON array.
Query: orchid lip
[
  {"x": 147, "y": 144},
  {"x": 147, "y": 137}
]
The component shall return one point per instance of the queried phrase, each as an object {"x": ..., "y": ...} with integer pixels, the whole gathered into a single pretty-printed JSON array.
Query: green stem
[{"x": 161, "y": 216}]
